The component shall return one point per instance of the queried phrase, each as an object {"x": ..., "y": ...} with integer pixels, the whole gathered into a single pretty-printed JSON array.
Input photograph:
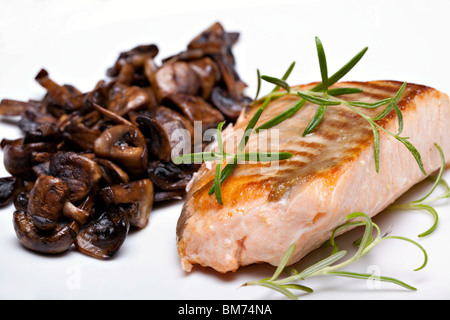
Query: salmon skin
[{"x": 331, "y": 174}]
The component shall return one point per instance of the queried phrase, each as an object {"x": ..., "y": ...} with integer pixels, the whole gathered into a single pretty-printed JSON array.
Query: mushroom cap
[
  {"x": 55, "y": 241},
  {"x": 125, "y": 145}
]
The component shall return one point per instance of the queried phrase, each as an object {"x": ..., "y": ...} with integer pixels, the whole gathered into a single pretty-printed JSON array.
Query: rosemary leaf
[
  {"x": 343, "y": 71},
  {"x": 297, "y": 287},
  {"x": 416, "y": 244},
  {"x": 198, "y": 157},
  {"x": 315, "y": 120},
  {"x": 283, "y": 262},
  {"x": 376, "y": 146},
  {"x": 370, "y": 276},
  {"x": 391, "y": 105},
  {"x": 278, "y": 288},
  {"x": 368, "y": 105},
  {"x": 322, "y": 264},
  {"x": 413, "y": 151},
  {"x": 217, "y": 179},
  {"x": 258, "y": 74},
  {"x": 318, "y": 100},
  {"x": 219, "y": 137},
  {"x": 439, "y": 177},
  {"x": 282, "y": 116},
  {"x": 323, "y": 65},
  {"x": 341, "y": 91},
  {"x": 263, "y": 156},
  {"x": 278, "y": 82}
]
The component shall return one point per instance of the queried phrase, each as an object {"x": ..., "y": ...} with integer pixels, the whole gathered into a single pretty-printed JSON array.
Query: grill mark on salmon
[{"x": 269, "y": 206}]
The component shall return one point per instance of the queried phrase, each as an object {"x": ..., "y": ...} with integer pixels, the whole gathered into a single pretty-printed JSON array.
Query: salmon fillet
[{"x": 267, "y": 207}]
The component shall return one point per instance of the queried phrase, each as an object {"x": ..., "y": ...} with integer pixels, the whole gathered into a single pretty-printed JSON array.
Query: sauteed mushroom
[
  {"x": 46, "y": 201},
  {"x": 103, "y": 237},
  {"x": 7, "y": 190},
  {"x": 195, "y": 109},
  {"x": 54, "y": 241},
  {"x": 18, "y": 159},
  {"x": 159, "y": 127},
  {"x": 125, "y": 145},
  {"x": 77, "y": 171},
  {"x": 137, "y": 193},
  {"x": 100, "y": 160},
  {"x": 175, "y": 77}
]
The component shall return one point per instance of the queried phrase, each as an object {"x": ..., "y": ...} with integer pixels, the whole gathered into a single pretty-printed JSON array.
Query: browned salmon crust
[{"x": 303, "y": 199}]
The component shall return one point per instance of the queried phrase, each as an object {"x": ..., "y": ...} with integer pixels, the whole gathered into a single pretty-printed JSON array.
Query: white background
[{"x": 76, "y": 41}]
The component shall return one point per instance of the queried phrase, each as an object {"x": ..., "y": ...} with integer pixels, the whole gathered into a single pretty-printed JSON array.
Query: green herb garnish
[
  {"x": 365, "y": 244},
  {"x": 327, "y": 266},
  {"x": 322, "y": 96}
]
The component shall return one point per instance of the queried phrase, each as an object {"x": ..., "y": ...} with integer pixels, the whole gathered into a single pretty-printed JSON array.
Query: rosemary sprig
[
  {"x": 294, "y": 109},
  {"x": 323, "y": 97},
  {"x": 221, "y": 156},
  {"x": 366, "y": 243},
  {"x": 330, "y": 266},
  {"x": 423, "y": 203}
]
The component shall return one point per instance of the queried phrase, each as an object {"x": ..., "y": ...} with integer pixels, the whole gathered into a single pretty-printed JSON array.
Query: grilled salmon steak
[{"x": 269, "y": 206}]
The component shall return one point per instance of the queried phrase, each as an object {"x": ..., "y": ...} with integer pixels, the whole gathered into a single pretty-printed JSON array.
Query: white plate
[{"x": 77, "y": 41}]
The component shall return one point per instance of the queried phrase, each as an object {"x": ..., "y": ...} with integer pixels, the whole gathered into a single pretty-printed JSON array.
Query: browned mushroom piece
[
  {"x": 209, "y": 74},
  {"x": 169, "y": 176},
  {"x": 135, "y": 57},
  {"x": 74, "y": 213},
  {"x": 124, "y": 145},
  {"x": 46, "y": 200},
  {"x": 9, "y": 107},
  {"x": 18, "y": 157},
  {"x": 59, "y": 99},
  {"x": 80, "y": 173},
  {"x": 139, "y": 194},
  {"x": 103, "y": 237},
  {"x": 195, "y": 109},
  {"x": 175, "y": 77},
  {"x": 166, "y": 195},
  {"x": 7, "y": 190},
  {"x": 54, "y": 241},
  {"x": 160, "y": 127},
  {"x": 123, "y": 99},
  {"x": 112, "y": 173},
  {"x": 39, "y": 128},
  {"x": 211, "y": 40},
  {"x": 227, "y": 105},
  {"x": 79, "y": 136}
]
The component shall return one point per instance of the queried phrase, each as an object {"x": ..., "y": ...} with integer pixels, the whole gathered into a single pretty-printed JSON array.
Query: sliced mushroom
[
  {"x": 165, "y": 195},
  {"x": 227, "y": 105},
  {"x": 134, "y": 57},
  {"x": 18, "y": 157},
  {"x": 102, "y": 238},
  {"x": 123, "y": 99},
  {"x": 169, "y": 176},
  {"x": 211, "y": 40},
  {"x": 111, "y": 172},
  {"x": 55, "y": 241},
  {"x": 59, "y": 99},
  {"x": 139, "y": 193},
  {"x": 74, "y": 213},
  {"x": 80, "y": 173},
  {"x": 209, "y": 74},
  {"x": 46, "y": 200},
  {"x": 195, "y": 109},
  {"x": 124, "y": 145},
  {"x": 7, "y": 190},
  {"x": 79, "y": 136},
  {"x": 10, "y": 107},
  {"x": 175, "y": 77},
  {"x": 159, "y": 128}
]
